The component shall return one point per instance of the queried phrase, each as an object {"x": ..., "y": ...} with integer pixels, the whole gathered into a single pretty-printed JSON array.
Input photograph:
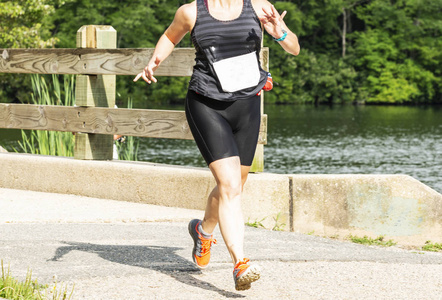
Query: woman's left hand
[{"x": 272, "y": 21}]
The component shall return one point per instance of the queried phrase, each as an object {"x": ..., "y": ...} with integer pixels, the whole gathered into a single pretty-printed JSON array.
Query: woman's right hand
[{"x": 147, "y": 73}]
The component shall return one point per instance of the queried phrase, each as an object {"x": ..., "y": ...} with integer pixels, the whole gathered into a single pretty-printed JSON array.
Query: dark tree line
[{"x": 366, "y": 51}]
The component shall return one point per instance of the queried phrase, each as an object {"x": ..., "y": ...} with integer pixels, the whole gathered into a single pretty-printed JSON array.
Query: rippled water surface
[
  {"x": 349, "y": 140},
  {"x": 330, "y": 140}
]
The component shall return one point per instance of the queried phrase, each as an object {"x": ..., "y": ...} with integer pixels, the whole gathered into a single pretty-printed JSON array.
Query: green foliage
[
  {"x": 128, "y": 150},
  {"x": 256, "y": 224},
  {"x": 318, "y": 79},
  {"x": 50, "y": 142},
  {"x": 434, "y": 247},
  {"x": 57, "y": 143},
  {"x": 279, "y": 226},
  {"x": 398, "y": 56},
  {"x": 139, "y": 24},
  {"x": 23, "y": 25},
  {"x": 11, "y": 288},
  {"x": 393, "y": 53},
  {"x": 371, "y": 51},
  {"x": 379, "y": 241}
]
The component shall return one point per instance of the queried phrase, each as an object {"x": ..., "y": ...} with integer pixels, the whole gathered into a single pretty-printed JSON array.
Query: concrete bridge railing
[{"x": 397, "y": 206}]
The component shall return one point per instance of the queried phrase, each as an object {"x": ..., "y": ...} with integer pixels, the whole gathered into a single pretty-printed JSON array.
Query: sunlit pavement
[{"x": 110, "y": 256}]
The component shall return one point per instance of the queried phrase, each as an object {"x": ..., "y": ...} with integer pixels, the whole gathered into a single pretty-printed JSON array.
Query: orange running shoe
[
  {"x": 201, "y": 245},
  {"x": 244, "y": 274}
]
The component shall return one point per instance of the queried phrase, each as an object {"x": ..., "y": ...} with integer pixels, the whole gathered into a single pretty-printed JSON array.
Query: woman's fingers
[
  {"x": 275, "y": 13},
  {"x": 272, "y": 15},
  {"x": 272, "y": 20},
  {"x": 150, "y": 75},
  {"x": 267, "y": 14},
  {"x": 142, "y": 75},
  {"x": 147, "y": 76},
  {"x": 138, "y": 77}
]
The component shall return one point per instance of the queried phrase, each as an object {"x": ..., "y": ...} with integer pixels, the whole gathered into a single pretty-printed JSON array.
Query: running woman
[{"x": 223, "y": 109}]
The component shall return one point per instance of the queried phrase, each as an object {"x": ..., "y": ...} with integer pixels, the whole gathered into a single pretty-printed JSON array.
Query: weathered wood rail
[
  {"x": 89, "y": 61},
  {"x": 96, "y": 61},
  {"x": 99, "y": 120}
]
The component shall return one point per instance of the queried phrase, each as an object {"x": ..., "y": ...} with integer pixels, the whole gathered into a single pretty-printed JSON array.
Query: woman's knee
[{"x": 230, "y": 189}]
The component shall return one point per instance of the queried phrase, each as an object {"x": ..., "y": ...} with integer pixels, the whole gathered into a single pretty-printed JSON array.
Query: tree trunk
[{"x": 344, "y": 31}]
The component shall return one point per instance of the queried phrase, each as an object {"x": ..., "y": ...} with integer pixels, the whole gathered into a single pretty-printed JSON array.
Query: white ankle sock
[{"x": 205, "y": 234}]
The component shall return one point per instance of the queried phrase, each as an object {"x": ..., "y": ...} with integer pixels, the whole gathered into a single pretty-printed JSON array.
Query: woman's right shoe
[
  {"x": 201, "y": 245},
  {"x": 244, "y": 274}
]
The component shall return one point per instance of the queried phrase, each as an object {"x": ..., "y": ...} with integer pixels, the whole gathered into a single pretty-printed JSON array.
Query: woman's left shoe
[
  {"x": 201, "y": 245},
  {"x": 244, "y": 274}
]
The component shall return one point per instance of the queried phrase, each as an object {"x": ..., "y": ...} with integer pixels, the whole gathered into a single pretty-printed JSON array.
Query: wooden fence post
[
  {"x": 258, "y": 160},
  {"x": 95, "y": 90}
]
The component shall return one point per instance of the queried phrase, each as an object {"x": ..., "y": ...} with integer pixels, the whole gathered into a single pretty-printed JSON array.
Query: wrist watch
[{"x": 284, "y": 35}]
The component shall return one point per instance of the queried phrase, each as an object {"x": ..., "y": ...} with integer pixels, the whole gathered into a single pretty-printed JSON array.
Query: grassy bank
[{"x": 29, "y": 289}]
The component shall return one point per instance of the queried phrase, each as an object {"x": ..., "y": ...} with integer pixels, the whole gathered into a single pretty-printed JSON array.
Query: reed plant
[
  {"x": 129, "y": 149},
  {"x": 57, "y": 143},
  {"x": 50, "y": 142}
]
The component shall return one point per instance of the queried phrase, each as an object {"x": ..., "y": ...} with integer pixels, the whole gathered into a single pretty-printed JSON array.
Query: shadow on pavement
[{"x": 161, "y": 259}]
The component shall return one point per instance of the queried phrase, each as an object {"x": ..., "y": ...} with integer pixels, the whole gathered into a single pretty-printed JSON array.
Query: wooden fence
[{"x": 96, "y": 62}]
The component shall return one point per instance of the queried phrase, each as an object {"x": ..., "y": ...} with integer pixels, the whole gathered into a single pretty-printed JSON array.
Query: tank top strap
[
  {"x": 201, "y": 6},
  {"x": 250, "y": 11},
  {"x": 247, "y": 3}
]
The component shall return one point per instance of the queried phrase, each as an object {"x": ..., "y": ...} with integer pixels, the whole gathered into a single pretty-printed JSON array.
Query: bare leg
[
  {"x": 211, "y": 216},
  {"x": 224, "y": 204}
]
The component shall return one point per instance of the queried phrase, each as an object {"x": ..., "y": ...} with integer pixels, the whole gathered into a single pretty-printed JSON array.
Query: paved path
[{"x": 119, "y": 250}]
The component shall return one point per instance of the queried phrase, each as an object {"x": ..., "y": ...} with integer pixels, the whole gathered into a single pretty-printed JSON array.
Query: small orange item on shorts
[{"x": 269, "y": 84}]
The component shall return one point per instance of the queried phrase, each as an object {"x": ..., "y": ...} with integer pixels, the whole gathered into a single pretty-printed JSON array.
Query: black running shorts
[{"x": 224, "y": 129}]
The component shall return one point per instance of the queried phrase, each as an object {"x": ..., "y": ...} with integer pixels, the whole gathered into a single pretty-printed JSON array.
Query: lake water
[{"x": 329, "y": 140}]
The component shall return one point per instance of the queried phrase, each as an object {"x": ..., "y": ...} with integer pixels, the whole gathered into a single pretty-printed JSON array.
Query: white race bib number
[{"x": 238, "y": 73}]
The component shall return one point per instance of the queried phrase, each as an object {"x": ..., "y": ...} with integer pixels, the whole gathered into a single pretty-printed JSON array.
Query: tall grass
[
  {"x": 50, "y": 142},
  {"x": 11, "y": 288},
  {"x": 129, "y": 149},
  {"x": 58, "y": 143}
]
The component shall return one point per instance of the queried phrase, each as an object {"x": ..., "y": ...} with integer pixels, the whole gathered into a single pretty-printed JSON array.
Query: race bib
[{"x": 238, "y": 73}]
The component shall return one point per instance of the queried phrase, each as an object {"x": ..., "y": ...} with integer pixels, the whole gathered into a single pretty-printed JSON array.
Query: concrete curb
[{"x": 397, "y": 206}]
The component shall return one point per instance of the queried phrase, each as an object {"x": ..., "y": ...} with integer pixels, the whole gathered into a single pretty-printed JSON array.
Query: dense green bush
[{"x": 371, "y": 51}]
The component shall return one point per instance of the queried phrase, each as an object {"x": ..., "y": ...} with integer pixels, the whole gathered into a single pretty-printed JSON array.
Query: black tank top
[{"x": 215, "y": 40}]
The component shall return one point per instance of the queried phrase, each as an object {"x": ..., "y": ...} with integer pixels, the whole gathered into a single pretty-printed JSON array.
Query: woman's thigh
[{"x": 224, "y": 129}]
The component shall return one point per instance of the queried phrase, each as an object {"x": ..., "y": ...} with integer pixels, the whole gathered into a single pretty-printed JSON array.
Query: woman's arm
[
  {"x": 183, "y": 22},
  {"x": 274, "y": 24}
]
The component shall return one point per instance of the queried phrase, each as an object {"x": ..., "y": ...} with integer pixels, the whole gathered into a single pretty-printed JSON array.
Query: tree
[
  {"x": 23, "y": 25},
  {"x": 139, "y": 24},
  {"x": 372, "y": 51},
  {"x": 399, "y": 55}
]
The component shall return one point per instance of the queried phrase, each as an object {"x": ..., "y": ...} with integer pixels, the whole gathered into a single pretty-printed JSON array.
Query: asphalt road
[{"x": 118, "y": 250}]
